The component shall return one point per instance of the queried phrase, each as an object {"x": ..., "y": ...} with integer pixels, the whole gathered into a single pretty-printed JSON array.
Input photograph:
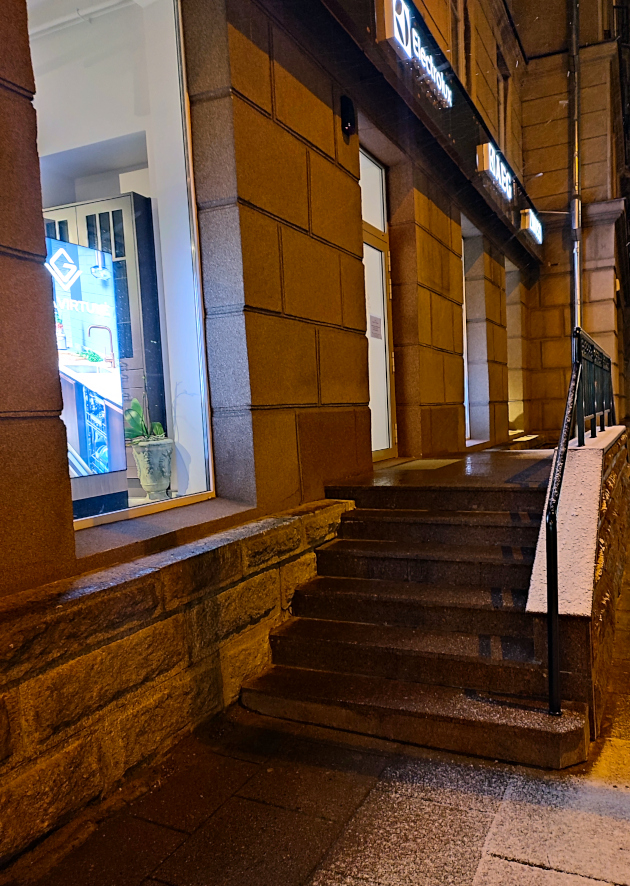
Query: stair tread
[
  {"x": 503, "y": 554},
  {"x": 511, "y": 519},
  {"x": 426, "y": 594},
  {"x": 447, "y": 645},
  {"x": 416, "y": 700}
]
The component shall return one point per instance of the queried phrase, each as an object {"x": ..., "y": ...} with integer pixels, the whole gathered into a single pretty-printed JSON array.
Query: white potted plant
[{"x": 152, "y": 452}]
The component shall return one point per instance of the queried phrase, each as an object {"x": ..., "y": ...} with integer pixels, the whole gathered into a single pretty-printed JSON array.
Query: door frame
[{"x": 380, "y": 240}]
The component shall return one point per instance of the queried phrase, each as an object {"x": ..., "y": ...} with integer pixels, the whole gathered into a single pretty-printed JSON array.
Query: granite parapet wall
[{"x": 100, "y": 672}]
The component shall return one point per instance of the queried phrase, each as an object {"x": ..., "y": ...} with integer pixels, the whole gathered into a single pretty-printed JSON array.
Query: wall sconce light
[{"x": 348, "y": 116}]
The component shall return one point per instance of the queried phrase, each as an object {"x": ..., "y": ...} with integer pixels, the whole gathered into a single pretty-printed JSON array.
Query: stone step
[
  {"x": 489, "y": 565},
  {"x": 470, "y": 661},
  {"x": 432, "y": 716},
  {"x": 499, "y": 611},
  {"x": 443, "y": 527},
  {"x": 464, "y": 497}
]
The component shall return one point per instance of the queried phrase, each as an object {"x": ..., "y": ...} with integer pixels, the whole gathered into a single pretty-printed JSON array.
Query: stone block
[
  {"x": 408, "y": 376},
  {"x": 321, "y": 521},
  {"x": 294, "y": 574},
  {"x": 453, "y": 378},
  {"x": 231, "y": 612},
  {"x": 190, "y": 570},
  {"x": 336, "y": 220},
  {"x": 410, "y": 428},
  {"x": 242, "y": 657},
  {"x": 282, "y": 361},
  {"x": 431, "y": 371},
  {"x": 440, "y": 223},
  {"x": 494, "y": 297},
  {"x": 60, "y": 698},
  {"x": 214, "y": 165},
  {"x": 233, "y": 453},
  {"x": 260, "y": 243},
  {"x": 433, "y": 262},
  {"x": 411, "y": 314},
  {"x": 500, "y": 340},
  {"x": 228, "y": 367},
  {"x": 445, "y": 430},
  {"x": 206, "y": 46},
  {"x": 441, "y": 322},
  {"x": 556, "y": 353},
  {"x": 478, "y": 382},
  {"x": 277, "y": 462},
  {"x": 6, "y": 741},
  {"x": 598, "y": 284},
  {"x": 29, "y": 364},
  {"x": 21, "y": 221},
  {"x": 480, "y": 342},
  {"x": 343, "y": 366},
  {"x": 328, "y": 441},
  {"x": 15, "y": 56},
  {"x": 458, "y": 329},
  {"x": 304, "y": 95},
  {"x": 88, "y": 609},
  {"x": 270, "y": 541},
  {"x": 36, "y": 507},
  {"x": 600, "y": 316},
  {"x": 312, "y": 281},
  {"x": 456, "y": 277},
  {"x": 270, "y": 166},
  {"x": 221, "y": 256},
  {"x": 547, "y": 323},
  {"x": 248, "y": 36},
  {"x": 159, "y": 717},
  {"x": 40, "y": 795},
  {"x": 404, "y": 254},
  {"x": 353, "y": 292}
]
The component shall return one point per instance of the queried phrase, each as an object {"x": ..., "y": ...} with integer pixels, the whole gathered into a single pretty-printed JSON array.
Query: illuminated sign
[
  {"x": 491, "y": 161},
  {"x": 531, "y": 223},
  {"x": 406, "y": 40},
  {"x": 70, "y": 273},
  {"x": 83, "y": 307}
]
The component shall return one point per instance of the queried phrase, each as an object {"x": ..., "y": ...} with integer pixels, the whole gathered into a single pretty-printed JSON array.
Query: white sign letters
[{"x": 490, "y": 160}]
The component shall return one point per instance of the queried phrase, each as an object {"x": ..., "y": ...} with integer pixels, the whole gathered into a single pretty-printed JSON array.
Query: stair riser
[
  {"x": 506, "y": 575},
  {"x": 367, "y": 610},
  {"x": 408, "y": 667},
  {"x": 443, "y": 498},
  {"x": 499, "y": 742},
  {"x": 418, "y": 533}
]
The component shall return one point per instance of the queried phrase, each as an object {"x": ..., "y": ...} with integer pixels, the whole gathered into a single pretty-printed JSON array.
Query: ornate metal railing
[{"x": 590, "y": 398}]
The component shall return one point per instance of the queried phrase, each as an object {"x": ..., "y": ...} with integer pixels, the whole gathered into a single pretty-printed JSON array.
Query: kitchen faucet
[{"x": 111, "y": 359}]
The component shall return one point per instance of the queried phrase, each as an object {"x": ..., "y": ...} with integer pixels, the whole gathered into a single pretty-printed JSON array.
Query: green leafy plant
[
  {"x": 136, "y": 428},
  {"x": 92, "y": 356}
]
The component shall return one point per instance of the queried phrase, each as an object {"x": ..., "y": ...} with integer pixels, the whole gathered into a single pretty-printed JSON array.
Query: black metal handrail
[{"x": 590, "y": 397}]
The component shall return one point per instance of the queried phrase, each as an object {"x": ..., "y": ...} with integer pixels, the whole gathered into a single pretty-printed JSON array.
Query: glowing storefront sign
[
  {"x": 67, "y": 277},
  {"x": 406, "y": 40},
  {"x": 531, "y": 223},
  {"x": 491, "y": 161}
]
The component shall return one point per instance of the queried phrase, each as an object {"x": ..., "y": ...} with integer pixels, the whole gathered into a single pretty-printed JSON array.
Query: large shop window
[{"x": 121, "y": 250}]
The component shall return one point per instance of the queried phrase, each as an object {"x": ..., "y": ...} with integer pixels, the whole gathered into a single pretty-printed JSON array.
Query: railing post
[
  {"x": 593, "y": 407},
  {"x": 580, "y": 409},
  {"x": 553, "y": 640}
]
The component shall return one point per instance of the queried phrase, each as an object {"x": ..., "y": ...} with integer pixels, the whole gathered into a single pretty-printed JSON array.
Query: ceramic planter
[{"x": 153, "y": 460}]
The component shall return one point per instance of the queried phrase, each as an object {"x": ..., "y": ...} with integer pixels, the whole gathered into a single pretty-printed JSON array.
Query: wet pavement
[{"x": 250, "y": 801}]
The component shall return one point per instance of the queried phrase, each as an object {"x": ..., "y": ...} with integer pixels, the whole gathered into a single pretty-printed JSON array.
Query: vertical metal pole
[
  {"x": 580, "y": 409},
  {"x": 591, "y": 371},
  {"x": 553, "y": 644},
  {"x": 576, "y": 186}
]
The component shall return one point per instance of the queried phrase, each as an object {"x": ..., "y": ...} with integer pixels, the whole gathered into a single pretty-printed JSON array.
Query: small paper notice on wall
[{"x": 376, "y": 327}]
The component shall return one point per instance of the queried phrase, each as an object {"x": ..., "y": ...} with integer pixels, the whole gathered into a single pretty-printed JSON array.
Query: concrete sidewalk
[{"x": 249, "y": 801}]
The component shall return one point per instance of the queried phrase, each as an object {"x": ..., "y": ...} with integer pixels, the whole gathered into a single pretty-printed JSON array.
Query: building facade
[{"x": 293, "y": 239}]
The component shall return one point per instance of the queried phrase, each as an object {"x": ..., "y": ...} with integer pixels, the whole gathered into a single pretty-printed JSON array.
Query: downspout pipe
[{"x": 576, "y": 177}]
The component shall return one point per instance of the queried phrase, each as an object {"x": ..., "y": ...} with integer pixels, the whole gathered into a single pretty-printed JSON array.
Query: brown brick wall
[{"x": 99, "y": 672}]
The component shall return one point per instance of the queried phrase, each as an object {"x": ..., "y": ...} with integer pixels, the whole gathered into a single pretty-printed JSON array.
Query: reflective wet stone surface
[{"x": 249, "y": 801}]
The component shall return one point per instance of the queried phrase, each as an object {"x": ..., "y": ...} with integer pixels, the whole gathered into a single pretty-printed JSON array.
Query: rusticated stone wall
[
  {"x": 99, "y": 672},
  {"x": 609, "y": 565}
]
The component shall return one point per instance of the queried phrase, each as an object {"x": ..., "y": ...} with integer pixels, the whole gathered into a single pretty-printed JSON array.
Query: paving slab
[
  {"x": 318, "y": 779},
  {"x": 121, "y": 852},
  {"x": 501, "y": 872},
  {"x": 247, "y": 842},
  {"x": 566, "y": 824},
  {"x": 400, "y": 839}
]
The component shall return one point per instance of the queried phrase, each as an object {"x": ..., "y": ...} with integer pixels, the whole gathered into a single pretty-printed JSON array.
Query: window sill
[{"x": 106, "y": 545}]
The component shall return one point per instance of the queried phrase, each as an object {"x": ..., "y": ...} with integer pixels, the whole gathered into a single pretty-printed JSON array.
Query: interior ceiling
[{"x": 125, "y": 153}]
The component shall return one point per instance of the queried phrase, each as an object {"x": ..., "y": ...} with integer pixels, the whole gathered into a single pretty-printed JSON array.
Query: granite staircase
[{"x": 416, "y": 629}]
